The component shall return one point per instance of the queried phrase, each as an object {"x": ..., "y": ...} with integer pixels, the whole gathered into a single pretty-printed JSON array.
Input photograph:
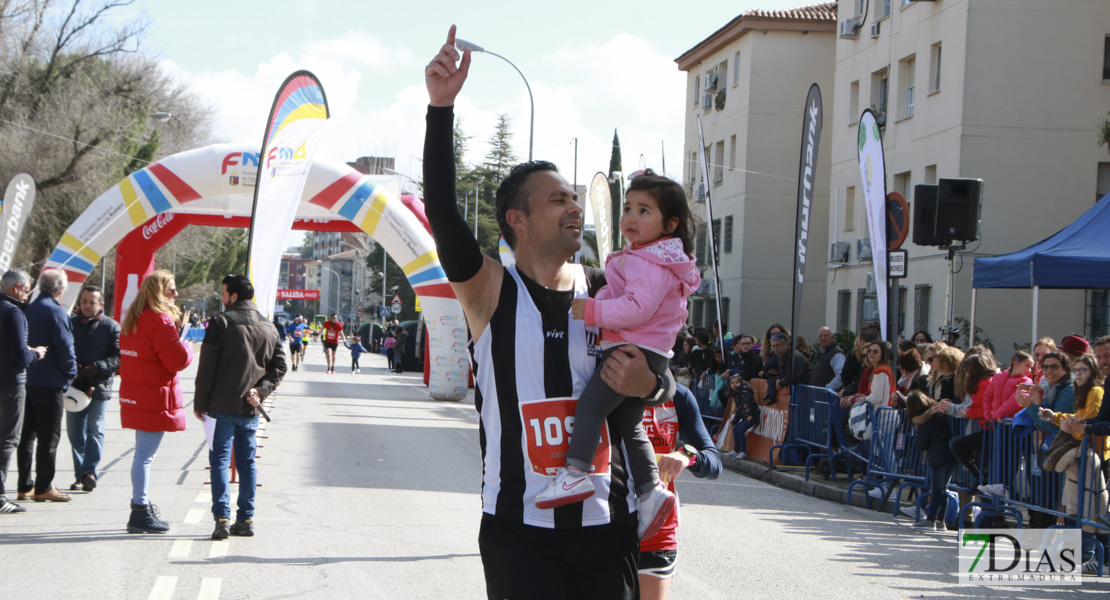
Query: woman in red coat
[{"x": 151, "y": 403}]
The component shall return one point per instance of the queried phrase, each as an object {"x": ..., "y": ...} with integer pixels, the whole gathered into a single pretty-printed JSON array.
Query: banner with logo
[
  {"x": 298, "y": 294},
  {"x": 299, "y": 111},
  {"x": 18, "y": 200},
  {"x": 807, "y": 171},
  {"x": 872, "y": 167},
  {"x": 600, "y": 201}
]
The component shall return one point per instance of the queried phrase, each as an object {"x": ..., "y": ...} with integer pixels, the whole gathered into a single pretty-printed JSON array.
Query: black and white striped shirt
[{"x": 529, "y": 366}]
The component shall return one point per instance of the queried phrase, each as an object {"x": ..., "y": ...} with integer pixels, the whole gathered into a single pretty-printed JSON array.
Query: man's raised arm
[{"x": 475, "y": 277}]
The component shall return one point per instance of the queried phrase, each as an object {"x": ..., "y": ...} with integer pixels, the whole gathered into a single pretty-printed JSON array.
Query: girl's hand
[
  {"x": 578, "y": 309},
  {"x": 942, "y": 406}
]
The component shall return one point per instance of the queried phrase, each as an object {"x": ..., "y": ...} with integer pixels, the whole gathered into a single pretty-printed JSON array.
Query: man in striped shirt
[{"x": 531, "y": 363}]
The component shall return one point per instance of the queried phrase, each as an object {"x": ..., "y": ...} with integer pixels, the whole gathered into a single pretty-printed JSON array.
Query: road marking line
[
  {"x": 219, "y": 549},
  {"x": 180, "y": 548},
  {"x": 209, "y": 588},
  {"x": 203, "y": 497},
  {"x": 163, "y": 588},
  {"x": 194, "y": 516}
]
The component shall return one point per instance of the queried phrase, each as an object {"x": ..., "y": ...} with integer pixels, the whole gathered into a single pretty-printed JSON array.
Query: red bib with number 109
[{"x": 548, "y": 425}]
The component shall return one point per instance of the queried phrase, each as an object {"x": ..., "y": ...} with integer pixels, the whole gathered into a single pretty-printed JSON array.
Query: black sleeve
[
  {"x": 459, "y": 253},
  {"x": 691, "y": 429}
]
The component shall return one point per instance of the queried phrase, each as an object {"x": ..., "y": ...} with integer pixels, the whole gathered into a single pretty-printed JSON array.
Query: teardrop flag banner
[
  {"x": 18, "y": 200},
  {"x": 300, "y": 109},
  {"x": 812, "y": 122},
  {"x": 872, "y": 167},
  {"x": 600, "y": 200}
]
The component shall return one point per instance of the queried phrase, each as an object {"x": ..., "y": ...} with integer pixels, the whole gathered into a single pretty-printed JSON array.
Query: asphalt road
[{"x": 370, "y": 490}]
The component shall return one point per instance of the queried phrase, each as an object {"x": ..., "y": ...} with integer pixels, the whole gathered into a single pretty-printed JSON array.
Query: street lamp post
[
  {"x": 389, "y": 171},
  {"x": 361, "y": 271},
  {"x": 337, "y": 286},
  {"x": 462, "y": 44}
]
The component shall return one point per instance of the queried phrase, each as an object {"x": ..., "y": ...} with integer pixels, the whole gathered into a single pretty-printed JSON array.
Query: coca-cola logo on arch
[{"x": 159, "y": 222}]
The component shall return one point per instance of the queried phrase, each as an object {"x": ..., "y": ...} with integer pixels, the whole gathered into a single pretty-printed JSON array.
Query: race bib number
[
  {"x": 661, "y": 427},
  {"x": 548, "y": 426}
]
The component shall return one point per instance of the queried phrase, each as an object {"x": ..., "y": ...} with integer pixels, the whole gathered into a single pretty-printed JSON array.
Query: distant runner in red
[{"x": 333, "y": 334}]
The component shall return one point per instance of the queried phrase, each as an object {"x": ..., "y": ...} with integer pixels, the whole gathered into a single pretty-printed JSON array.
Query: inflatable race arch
[{"x": 214, "y": 186}]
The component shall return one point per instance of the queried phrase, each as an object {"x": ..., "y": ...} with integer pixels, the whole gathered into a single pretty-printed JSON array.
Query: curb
[{"x": 795, "y": 483}]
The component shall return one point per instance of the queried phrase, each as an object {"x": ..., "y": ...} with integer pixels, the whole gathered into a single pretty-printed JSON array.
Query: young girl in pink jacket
[
  {"x": 643, "y": 303},
  {"x": 1000, "y": 400}
]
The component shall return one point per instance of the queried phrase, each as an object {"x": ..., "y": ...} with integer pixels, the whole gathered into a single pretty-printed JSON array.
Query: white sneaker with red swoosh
[
  {"x": 566, "y": 488},
  {"x": 653, "y": 508}
]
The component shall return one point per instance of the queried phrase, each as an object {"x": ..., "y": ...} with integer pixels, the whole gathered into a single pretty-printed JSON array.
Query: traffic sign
[
  {"x": 896, "y": 264},
  {"x": 396, "y": 299},
  {"x": 383, "y": 311},
  {"x": 396, "y": 309},
  {"x": 418, "y": 309},
  {"x": 897, "y": 220}
]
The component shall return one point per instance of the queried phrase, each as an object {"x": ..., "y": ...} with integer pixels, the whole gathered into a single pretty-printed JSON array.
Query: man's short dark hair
[
  {"x": 240, "y": 286},
  {"x": 92, "y": 289},
  {"x": 512, "y": 194}
]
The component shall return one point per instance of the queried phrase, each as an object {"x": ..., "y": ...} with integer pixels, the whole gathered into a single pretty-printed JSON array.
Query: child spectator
[
  {"x": 388, "y": 344},
  {"x": 933, "y": 434},
  {"x": 745, "y": 417}
]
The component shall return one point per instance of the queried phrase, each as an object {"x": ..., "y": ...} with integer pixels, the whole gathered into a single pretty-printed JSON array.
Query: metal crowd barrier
[
  {"x": 852, "y": 449},
  {"x": 893, "y": 458},
  {"x": 703, "y": 391},
  {"x": 809, "y": 427},
  {"x": 1013, "y": 462},
  {"x": 1092, "y": 513}
]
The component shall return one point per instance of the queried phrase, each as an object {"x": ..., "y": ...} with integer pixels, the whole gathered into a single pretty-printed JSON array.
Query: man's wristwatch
[
  {"x": 660, "y": 389},
  {"x": 691, "y": 452}
]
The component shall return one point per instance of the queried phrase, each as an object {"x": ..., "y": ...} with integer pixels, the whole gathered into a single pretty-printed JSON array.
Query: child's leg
[
  {"x": 740, "y": 436},
  {"x": 596, "y": 402},
  {"x": 641, "y": 454}
]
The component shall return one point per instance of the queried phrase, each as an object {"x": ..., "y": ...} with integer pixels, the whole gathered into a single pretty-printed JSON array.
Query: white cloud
[{"x": 378, "y": 102}]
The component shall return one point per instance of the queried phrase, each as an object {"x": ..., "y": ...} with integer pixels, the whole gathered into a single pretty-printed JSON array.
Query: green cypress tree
[{"x": 615, "y": 192}]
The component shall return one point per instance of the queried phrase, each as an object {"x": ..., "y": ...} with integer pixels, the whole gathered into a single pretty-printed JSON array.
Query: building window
[
  {"x": 1106, "y": 59},
  {"x": 879, "y": 81},
  {"x": 882, "y": 8},
  {"x": 934, "y": 69},
  {"x": 716, "y": 237},
  {"x": 906, "y": 76},
  {"x": 1098, "y": 313},
  {"x": 904, "y": 184},
  {"x": 850, "y": 209},
  {"x": 843, "y": 309},
  {"x": 922, "y": 296},
  {"x": 859, "y": 308},
  {"x": 930, "y": 175},
  {"x": 719, "y": 163},
  {"x": 697, "y": 90},
  {"x": 722, "y": 72},
  {"x": 728, "y": 233},
  {"x": 724, "y": 315},
  {"x": 736, "y": 69},
  {"x": 732, "y": 153},
  {"x": 1102, "y": 187},
  {"x": 853, "y": 103},
  {"x": 699, "y": 249},
  {"x": 697, "y": 312}
]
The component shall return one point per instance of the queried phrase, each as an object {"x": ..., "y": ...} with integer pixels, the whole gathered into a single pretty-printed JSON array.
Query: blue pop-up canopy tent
[{"x": 1076, "y": 257}]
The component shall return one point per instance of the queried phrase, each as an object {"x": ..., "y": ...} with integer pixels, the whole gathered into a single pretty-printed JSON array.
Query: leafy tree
[
  {"x": 615, "y": 192},
  {"x": 75, "y": 101}
]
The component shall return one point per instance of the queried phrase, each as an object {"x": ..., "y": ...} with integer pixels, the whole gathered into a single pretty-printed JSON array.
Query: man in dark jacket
[
  {"x": 15, "y": 357},
  {"x": 828, "y": 362},
  {"x": 241, "y": 363},
  {"x": 743, "y": 359},
  {"x": 799, "y": 373},
  {"x": 96, "y": 345},
  {"x": 47, "y": 380}
]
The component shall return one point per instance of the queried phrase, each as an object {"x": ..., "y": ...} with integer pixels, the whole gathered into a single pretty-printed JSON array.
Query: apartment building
[
  {"x": 1007, "y": 91},
  {"x": 748, "y": 82}
]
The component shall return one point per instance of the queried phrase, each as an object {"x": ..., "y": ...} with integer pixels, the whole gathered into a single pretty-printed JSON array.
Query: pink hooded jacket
[
  {"x": 644, "y": 299},
  {"x": 1000, "y": 400}
]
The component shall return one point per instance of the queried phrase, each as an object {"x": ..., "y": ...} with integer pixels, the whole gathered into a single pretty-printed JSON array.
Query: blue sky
[{"x": 593, "y": 66}]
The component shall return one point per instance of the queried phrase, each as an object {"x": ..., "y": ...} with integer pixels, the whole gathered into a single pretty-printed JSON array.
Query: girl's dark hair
[
  {"x": 928, "y": 338},
  {"x": 1082, "y": 391},
  {"x": 1019, "y": 357},
  {"x": 672, "y": 203},
  {"x": 917, "y": 403}
]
